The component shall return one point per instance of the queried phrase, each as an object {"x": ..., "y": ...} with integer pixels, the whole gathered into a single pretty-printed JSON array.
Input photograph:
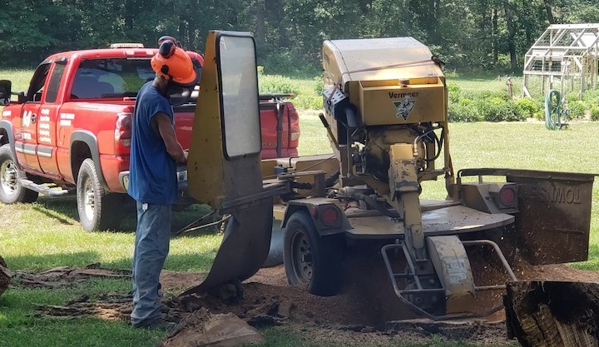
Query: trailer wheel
[
  {"x": 97, "y": 210},
  {"x": 11, "y": 191},
  {"x": 312, "y": 261}
]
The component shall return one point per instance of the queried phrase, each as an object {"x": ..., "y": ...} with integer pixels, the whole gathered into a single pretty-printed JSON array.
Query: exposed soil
[{"x": 366, "y": 312}]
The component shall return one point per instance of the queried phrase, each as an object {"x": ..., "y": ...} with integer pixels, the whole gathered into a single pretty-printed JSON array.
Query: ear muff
[
  {"x": 169, "y": 38},
  {"x": 167, "y": 48}
]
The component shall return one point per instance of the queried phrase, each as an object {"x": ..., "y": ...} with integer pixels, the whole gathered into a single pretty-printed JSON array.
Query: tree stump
[
  {"x": 5, "y": 276},
  {"x": 548, "y": 313},
  {"x": 203, "y": 329}
]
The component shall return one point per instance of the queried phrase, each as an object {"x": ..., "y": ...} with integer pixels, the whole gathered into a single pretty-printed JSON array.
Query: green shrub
[
  {"x": 498, "y": 110},
  {"x": 571, "y": 98},
  {"x": 277, "y": 84},
  {"x": 462, "y": 112},
  {"x": 466, "y": 102},
  {"x": 530, "y": 108},
  {"x": 577, "y": 109},
  {"x": 306, "y": 102},
  {"x": 318, "y": 85},
  {"x": 591, "y": 97},
  {"x": 489, "y": 106},
  {"x": 594, "y": 111},
  {"x": 454, "y": 92}
]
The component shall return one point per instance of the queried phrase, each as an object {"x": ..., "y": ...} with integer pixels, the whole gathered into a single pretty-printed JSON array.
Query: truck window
[
  {"x": 38, "y": 80},
  {"x": 110, "y": 78},
  {"x": 54, "y": 83}
]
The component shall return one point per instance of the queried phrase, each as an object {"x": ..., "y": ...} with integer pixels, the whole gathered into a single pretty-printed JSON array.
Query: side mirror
[{"x": 5, "y": 91}]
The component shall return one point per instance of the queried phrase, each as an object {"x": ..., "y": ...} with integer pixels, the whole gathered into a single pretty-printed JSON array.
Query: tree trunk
[
  {"x": 495, "y": 33},
  {"x": 283, "y": 36},
  {"x": 540, "y": 313},
  {"x": 549, "y": 12},
  {"x": 260, "y": 23},
  {"x": 5, "y": 276},
  {"x": 509, "y": 19}
]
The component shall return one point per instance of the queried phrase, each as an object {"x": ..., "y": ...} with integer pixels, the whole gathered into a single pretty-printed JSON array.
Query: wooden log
[
  {"x": 5, "y": 276},
  {"x": 548, "y": 313}
]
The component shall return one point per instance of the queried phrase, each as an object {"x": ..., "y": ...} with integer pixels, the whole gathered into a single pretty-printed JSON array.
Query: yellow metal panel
[
  {"x": 402, "y": 151},
  {"x": 453, "y": 268},
  {"x": 377, "y": 59},
  {"x": 402, "y": 104},
  {"x": 205, "y": 170},
  {"x": 268, "y": 168}
]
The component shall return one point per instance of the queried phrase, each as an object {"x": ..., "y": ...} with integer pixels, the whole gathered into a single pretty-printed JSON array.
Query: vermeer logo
[
  {"x": 394, "y": 95},
  {"x": 403, "y": 108}
]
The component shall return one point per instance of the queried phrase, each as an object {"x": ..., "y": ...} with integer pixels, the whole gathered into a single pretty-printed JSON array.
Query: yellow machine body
[
  {"x": 392, "y": 79},
  {"x": 385, "y": 112}
]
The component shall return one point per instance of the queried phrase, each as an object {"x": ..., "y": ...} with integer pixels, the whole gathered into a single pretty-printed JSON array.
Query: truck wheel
[
  {"x": 11, "y": 191},
  {"x": 312, "y": 261},
  {"x": 97, "y": 210}
]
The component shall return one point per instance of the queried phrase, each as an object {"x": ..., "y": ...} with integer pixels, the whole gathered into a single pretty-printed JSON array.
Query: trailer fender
[
  {"x": 322, "y": 212},
  {"x": 553, "y": 215}
]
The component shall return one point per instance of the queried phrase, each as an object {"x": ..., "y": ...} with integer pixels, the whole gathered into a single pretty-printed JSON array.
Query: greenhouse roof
[{"x": 561, "y": 40}]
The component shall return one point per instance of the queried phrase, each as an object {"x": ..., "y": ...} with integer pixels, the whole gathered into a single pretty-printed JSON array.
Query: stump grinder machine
[{"x": 385, "y": 114}]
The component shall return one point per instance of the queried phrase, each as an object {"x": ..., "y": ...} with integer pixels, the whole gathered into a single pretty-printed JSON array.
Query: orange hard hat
[{"x": 175, "y": 64}]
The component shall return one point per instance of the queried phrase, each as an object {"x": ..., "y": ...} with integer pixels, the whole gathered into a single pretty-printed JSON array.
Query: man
[{"x": 155, "y": 154}]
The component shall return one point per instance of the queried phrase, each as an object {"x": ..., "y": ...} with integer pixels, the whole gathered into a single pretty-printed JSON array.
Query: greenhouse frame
[{"x": 563, "y": 58}]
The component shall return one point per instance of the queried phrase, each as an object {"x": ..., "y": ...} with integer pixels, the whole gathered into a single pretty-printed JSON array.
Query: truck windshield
[{"x": 111, "y": 78}]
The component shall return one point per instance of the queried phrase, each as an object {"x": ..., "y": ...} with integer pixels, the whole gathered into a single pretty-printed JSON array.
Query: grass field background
[{"x": 47, "y": 234}]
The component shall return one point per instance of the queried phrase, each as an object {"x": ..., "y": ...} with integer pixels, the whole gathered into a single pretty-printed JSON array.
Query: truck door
[
  {"x": 26, "y": 136},
  {"x": 224, "y": 157},
  {"x": 47, "y": 121}
]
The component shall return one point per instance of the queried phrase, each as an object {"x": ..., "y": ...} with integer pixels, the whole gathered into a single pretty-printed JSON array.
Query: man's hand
[{"x": 167, "y": 132}]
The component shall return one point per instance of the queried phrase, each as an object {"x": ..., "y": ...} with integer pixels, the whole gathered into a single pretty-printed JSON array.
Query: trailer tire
[
  {"x": 312, "y": 261},
  {"x": 97, "y": 209},
  {"x": 11, "y": 191}
]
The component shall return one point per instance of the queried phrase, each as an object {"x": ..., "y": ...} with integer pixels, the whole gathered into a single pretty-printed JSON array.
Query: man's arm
[{"x": 167, "y": 132}]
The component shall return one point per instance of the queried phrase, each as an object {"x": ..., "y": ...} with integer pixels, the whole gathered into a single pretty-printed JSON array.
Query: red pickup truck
[{"x": 71, "y": 130}]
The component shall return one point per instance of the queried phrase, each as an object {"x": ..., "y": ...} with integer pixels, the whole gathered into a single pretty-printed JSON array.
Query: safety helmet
[{"x": 176, "y": 65}]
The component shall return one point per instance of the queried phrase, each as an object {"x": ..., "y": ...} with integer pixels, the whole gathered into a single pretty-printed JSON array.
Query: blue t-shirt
[{"x": 152, "y": 171}]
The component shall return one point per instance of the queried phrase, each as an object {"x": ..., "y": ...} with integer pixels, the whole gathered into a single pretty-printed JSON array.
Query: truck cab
[{"x": 70, "y": 132}]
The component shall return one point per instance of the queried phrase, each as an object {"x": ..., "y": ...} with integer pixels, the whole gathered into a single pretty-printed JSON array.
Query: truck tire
[
  {"x": 97, "y": 209},
  {"x": 11, "y": 191},
  {"x": 312, "y": 261}
]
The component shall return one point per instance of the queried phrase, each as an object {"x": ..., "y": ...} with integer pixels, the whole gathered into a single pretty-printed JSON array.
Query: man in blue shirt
[{"x": 155, "y": 154}]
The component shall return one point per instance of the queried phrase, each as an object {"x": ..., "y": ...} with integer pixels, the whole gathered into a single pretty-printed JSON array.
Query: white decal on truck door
[
  {"x": 26, "y": 120},
  {"x": 66, "y": 119}
]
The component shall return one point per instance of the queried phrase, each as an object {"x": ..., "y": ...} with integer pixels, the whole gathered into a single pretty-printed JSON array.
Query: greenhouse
[{"x": 564, "y": 58}]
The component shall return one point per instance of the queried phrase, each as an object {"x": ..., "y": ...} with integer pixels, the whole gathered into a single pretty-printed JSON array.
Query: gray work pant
[{"x": 152, "y": 239}]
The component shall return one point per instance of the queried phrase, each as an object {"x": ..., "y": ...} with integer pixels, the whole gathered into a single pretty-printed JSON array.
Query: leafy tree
[{"x": 467, "y": 34}]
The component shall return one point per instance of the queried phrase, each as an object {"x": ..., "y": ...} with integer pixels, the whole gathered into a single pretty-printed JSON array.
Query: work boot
[{"x": 158, "y": 324}]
